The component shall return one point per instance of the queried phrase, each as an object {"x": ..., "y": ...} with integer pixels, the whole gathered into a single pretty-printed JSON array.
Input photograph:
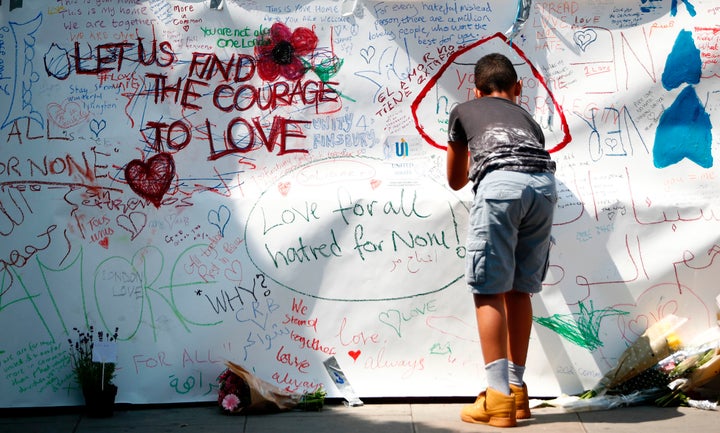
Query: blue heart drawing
[
  {"x": 367, "y": 53},
  {"x": 96, "y": 127},
  {"x": 219, "y": 218},
  {"x": 583, "y": 38}
]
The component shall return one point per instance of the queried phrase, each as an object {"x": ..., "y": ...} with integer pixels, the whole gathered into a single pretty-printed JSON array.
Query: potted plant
[{"x": 94, "y": 377}]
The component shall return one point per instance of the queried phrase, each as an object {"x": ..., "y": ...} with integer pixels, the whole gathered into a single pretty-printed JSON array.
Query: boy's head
[{"x": 495, "y": 73}]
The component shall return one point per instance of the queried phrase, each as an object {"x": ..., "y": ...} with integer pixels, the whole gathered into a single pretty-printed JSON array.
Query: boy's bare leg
[
  {"x": 492, "y": 326},
  {"x": 518, "y": 313}
]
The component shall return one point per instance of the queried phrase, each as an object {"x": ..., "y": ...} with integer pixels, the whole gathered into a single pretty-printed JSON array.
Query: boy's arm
[{"x": 457, "y": 164}]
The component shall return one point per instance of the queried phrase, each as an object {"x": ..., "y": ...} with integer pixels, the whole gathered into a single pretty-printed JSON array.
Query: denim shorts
[{"x": 509, "y": 234}]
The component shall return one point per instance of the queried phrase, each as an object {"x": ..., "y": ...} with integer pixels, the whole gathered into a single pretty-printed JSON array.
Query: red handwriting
[
  {"x": 151, "y": 179},
  {"x": 294, "y": 385},
  {"x": 239, "y": 136},
  {"x": 312, "y": 344},
  {"x": 299, "y": 307},
  {"x": 409, "y": 365},
  {"x": 20, "y": 258},
  {"x": 206, "y": 65},
  {"x": 286, "y": 358},
  {"x": 147, "y": 361},
  {"x": 15, "y": 131},
  {"x": 280, "y": 130},
  {"x": 197, "y": 358},
  {"x": 292, "y": 320},
  {"x": 102, "y": 199},
  {"x": 278, "y": 94},
  {"x": 356, "y": 339}
]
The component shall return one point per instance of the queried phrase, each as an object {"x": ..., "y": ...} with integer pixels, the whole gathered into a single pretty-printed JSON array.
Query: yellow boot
[
  {"x": 522, "y": 402},
  {"x": 491, "y": 407}
]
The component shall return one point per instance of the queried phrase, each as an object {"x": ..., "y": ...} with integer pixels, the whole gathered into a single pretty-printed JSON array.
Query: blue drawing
[
  {"x": 585, "y": 37},
  {"x": 220, "y": 218},
  {"x": 648, "y": 6},
  {"x": 97, "y": 126},
  {"x": 57, "y": 62},
  {"x": 684, "y": 132},
  {"x": 688, "y": 5},
  {"x": 684, "y": 129},
  {"x": 684, "y": 64},
  {"x": 401, "y": 148},
  {"x": 20, "y": 50}
]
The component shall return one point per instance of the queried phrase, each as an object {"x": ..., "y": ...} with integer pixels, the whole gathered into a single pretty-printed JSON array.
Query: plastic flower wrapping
[
  {"x": 241, "y": 392},
  {"x": 657, "y": 369},
  {"x": 694, "y": 367}
]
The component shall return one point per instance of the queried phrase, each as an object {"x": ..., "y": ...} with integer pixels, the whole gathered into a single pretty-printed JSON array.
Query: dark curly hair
[{"x": 494, "y": 72}]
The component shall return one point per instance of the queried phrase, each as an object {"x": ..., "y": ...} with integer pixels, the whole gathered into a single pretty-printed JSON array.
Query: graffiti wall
[{"x": 264, "y": 182}]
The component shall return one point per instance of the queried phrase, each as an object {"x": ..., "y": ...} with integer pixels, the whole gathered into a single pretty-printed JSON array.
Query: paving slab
[{"x": 335, "y": 417}]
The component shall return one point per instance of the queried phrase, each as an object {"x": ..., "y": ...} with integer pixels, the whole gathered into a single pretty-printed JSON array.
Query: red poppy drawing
[{"x": 278, "y": 52}]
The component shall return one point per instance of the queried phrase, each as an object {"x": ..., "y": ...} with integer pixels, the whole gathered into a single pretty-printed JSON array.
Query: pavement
[{"x": 382, "y": 416}]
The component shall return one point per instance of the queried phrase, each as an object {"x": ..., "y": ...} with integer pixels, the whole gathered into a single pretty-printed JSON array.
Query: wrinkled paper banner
[{"x": 523, "y": 12}]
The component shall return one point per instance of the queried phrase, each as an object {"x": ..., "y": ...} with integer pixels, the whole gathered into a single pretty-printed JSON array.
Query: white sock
[
  {"x": 515, "y": 373},
  {"x": 496, "y": 373}
]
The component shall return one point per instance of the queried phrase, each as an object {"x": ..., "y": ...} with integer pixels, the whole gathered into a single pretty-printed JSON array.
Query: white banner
[{"x": 264, "y": 182}]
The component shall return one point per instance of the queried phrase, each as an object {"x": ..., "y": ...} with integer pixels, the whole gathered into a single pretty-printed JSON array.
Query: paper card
[
  {"x": 104, "y": 351},
  {"x": 342, "y": 383}
]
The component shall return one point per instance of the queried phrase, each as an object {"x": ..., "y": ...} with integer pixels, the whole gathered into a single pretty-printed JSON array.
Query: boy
[{"x": 510, "y": 220}]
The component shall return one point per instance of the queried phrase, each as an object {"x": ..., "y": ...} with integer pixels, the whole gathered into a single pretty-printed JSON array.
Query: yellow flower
[{"x": 673, "y": 342}]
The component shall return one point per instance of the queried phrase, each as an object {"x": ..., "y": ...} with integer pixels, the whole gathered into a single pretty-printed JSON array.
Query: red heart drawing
[
  {"x": 284, "y": 188},
  {"x": 151, "y": 179},
  {"x": 639, "y": 325},
  {"x": 68, "y": 115},
  {"x": 354, "y": 354},
  {"x": 374, "y": 183},
  {"x": 234, "y": 273},
  {"x": 104, "y": 243}
]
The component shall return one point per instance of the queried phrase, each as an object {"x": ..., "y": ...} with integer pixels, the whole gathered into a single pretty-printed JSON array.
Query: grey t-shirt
[{"x": 501, "y": 135}]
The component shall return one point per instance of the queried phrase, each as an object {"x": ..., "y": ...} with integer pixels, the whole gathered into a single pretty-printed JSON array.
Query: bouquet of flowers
[
  {"x": 672, "y": 381},
  {"x": 657, "y": 342},
  {"x": 241, "y": 392},
  {"x": 234, "y": 393},
  {"x": 696, "y": 370}
]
